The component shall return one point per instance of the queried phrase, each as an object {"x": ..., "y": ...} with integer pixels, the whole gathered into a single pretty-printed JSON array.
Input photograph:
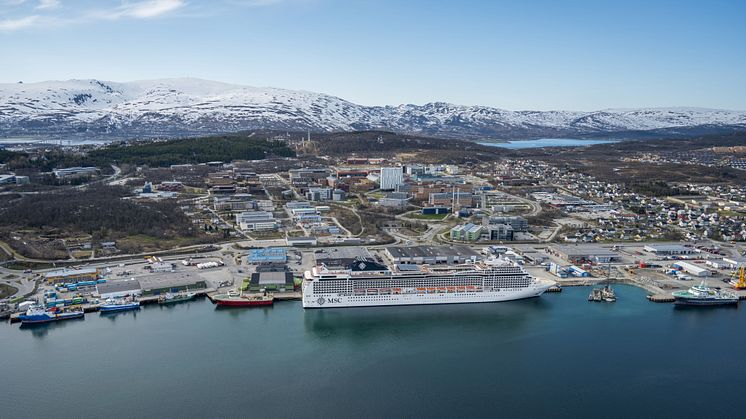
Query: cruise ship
[{"x": 365, "y": 283}]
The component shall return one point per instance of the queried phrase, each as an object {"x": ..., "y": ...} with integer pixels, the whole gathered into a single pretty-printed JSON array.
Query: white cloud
[
  {"x": 254, "y": 2},
  {"x": 48, "y": 4},
  {"x": 48, "y": 13},
  {"x": 8, "y": 25},
  {"x": 141, "y": 9}
]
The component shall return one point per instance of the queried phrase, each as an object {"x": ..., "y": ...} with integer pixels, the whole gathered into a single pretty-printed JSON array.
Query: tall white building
[{"x": 391, "y": 177}]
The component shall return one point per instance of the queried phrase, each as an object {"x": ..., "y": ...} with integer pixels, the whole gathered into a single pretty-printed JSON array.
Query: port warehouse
[
  {"x": 432, "y": 255},
  {"x": 585, "y": 253},
  {"x": 692, "y": 269},
  {"x": 121, "y": 288},
  {"x": 341, "y": 256},
  {"x": 151, "y": 285},
  {"x": 669, "y": 249},
  {"x": 65, "y": 276}
]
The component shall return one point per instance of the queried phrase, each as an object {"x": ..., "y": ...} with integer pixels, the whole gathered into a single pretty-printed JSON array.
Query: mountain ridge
[{"x": 187, "y": 106}]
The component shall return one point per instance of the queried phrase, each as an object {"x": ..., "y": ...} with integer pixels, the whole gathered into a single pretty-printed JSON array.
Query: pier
[
  {"x": 94, "y": 307},
  {"x": 661, "y": 298}
]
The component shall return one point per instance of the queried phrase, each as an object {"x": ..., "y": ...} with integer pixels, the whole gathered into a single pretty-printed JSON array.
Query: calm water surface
[
  {"x": 546, "y": 142},
  {"x": 555, "y": 356}
]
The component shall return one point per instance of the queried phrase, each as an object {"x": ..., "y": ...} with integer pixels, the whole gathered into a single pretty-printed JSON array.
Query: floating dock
[
  {"x": 661, "y": 298},
  {"x": 554, "y": 288}
]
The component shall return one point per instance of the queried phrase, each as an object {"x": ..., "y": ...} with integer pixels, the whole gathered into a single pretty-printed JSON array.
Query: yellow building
[{"x": 72, "y": 275}]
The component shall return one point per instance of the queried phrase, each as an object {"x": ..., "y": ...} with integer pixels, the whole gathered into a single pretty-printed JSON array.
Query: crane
[{"x": 740, "y": 282}]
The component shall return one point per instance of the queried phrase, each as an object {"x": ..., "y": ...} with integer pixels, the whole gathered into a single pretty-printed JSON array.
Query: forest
[
  {"x": 428, "y": 149},
  {"x": 192, "y": 150},
  {"x": 99, "y": 210}
]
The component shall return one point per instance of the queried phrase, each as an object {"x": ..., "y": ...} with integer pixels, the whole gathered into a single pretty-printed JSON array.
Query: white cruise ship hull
[{"x": 319, "y": 300}]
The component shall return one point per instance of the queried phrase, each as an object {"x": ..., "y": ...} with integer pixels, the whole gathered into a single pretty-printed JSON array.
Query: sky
[{"x": 517, "y": 55}]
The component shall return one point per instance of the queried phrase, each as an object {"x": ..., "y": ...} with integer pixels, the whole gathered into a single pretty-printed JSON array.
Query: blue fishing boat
[
  {"x": 38, "y": 314},
  {"x": 119, "y": 304}
]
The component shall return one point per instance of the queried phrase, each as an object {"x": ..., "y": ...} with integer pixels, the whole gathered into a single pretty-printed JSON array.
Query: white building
[
  {"x": 162, "y": 267},
  {"x": 391, "y": 177},
  {"x": 72, "y": 172},
  {"x": 256, "y": 220}
]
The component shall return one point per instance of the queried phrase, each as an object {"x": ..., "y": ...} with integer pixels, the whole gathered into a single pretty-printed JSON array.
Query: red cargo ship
[{"x": 235, "y": 299}]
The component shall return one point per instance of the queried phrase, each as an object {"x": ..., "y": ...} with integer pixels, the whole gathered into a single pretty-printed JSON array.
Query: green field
[{"x": 7, "y": 290}]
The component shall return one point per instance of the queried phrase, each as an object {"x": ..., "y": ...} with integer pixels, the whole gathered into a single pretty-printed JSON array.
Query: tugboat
[
  {"x": 606, "y": 293},
  {"x": 702, "y": 295},
  {"x": 119, "y": 304},
  {"x": 169, "y": 298},
  {"x": 236, "y": 299},
  {"x": 37, "y": 314},
  {"x": 602, "y": 294}
]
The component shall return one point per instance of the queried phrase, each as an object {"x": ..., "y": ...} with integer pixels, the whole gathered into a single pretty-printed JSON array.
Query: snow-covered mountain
[{"x": 178, "y": 107}]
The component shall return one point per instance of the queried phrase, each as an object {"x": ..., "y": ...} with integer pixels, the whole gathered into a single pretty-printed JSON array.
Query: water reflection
[
  {"x": 113, "y": 315},
  {"x": 367, "y": 322},
  {"x": 40, "y": 330}
]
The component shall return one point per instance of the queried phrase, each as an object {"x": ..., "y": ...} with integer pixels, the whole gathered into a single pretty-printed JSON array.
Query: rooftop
[
  {"x": 342, "y": 253},
  {"x": 71, "y": 272},
  {"x": 173, "y": 280},
  {"x": 431, "y": 251},
  {"x": 118, "y": 286}
]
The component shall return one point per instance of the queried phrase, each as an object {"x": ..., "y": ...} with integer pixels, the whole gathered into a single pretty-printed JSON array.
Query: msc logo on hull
[{"x": 321, "y": 301}]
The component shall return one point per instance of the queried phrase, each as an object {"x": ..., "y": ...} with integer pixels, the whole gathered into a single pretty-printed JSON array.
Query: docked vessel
[
  {"x": 5, "y": 311},
  {"x": 119, "y": 304},
  {"x": 169, "y": 298},
  {"x": 702, "y": 295},
  {"x": 38, "y": 314},
  {"x": 606, "y": 294},
  {"x": 238, "y": 299},
  {"x": 367, "y": 283}
]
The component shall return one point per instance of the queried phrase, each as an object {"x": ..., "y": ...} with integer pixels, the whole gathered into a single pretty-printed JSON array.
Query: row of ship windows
[
  {"x": 478, "y": 278},
  {"x": 435, "y": 282},
  {"x": 501, "y": 284}
]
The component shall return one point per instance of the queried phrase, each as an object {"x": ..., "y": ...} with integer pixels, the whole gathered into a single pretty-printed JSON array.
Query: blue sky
[{"x": 573, "y": 54}]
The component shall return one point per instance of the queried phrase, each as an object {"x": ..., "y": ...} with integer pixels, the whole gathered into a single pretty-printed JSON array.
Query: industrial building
[
  {"x": 64, "y": 276},
  {"x": 341, "y": 256},
  {"x": 173, "y": 282},
  {"x": 585, "y": 253},
  {"x": 121, "y": 288},
  {"x": 692, "y": 269},
  {"x": 432, "y": 255},
  {"x": 669, "y": 249}
]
